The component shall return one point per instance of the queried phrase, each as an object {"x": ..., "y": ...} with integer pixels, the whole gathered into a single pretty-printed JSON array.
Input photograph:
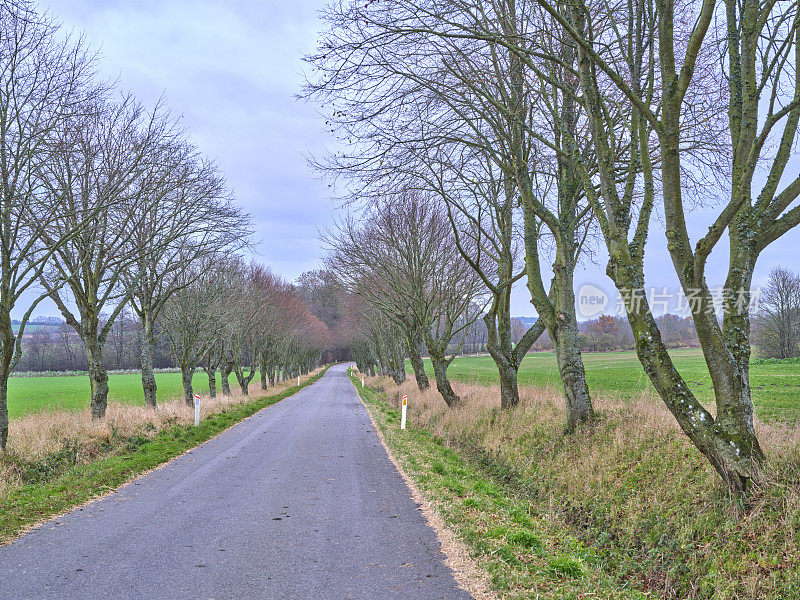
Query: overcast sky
[{"x": 232, "y": 68}]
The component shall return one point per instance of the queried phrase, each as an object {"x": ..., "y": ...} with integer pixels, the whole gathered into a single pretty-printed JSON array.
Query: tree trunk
[
  {"x": 212, "y": 382},
  {"x": 98, "y": 376},
  {"x": 263, "y": 371},
  {"x": 509, "y": 388},
  {"x": 186, "y": 378},
  {"x": 573, "y": 375},
  {"x": 500, "y": 347},
  {"x": 148, "y": 374},
  {"x": 244, "y": 380},
  {"x": 440, "y": 364},
  {"x": 224, "y": 372},
  {"x": 558, "y": 311},
  {"x": 414, "y": 342},
  {"x": 244, "y": 383},
  {"x": 6, "y": 356},
  {"x": 3, "y": 409},
  {"x": 503, "y": 355},
  {"x": 729, "y": 442}
]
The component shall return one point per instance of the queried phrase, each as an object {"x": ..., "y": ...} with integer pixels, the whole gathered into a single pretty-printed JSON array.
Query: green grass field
[
  {"x": 776, "y": 387},
  {"x": 33, "y": 394}
]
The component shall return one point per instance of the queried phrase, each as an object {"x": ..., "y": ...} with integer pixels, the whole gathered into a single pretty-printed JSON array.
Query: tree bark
[
  {"x": 558, "y": 312},
  {"x": 148, "y": 374},
  {"x": 568, "y": 354},
  {"x": 3, "y": 410},
  {"x": 6, "y": 356},
  {"x": 263, "y": 372},
  {"x": 186, "y": 378},
  {"x": 212, "y": 382},
  {"x": 440, "y": 364},
  {"x": 573, "y": 375},
  {"x": 98, "y": 376},
  {"x": 224, "y": 372},
  {"x": 414, "y": 343}
]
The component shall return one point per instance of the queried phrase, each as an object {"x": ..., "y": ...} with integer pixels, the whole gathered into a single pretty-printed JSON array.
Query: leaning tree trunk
[
  {"x": 148, "y": 373},
  {"x": 732, "y": 450},
  {"x": 98, "y": 376},
  {"x": 414, "y": 343},
  {"x": 440, "y": 364},
  {"x": 224, "y": 373},
  {"x": 187, "y": 373},
  {"x": 729, "y": 441}
]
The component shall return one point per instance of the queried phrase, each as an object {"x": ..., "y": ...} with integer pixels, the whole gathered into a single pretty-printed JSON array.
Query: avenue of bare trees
[
  {"x": 107, "y": 207},
  {"x": 544, "y": 130}
]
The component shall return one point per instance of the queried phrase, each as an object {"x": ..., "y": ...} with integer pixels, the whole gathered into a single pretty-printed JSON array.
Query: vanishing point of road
[{"x": 298, "y": 502}]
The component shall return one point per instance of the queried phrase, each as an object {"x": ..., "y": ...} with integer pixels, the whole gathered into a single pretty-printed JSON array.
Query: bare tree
[
  {"x": 404, "y": 261},
  {"x": 186, "y": 217},
  {"x": 97, "y": 176},
  {"x": 483, "y": 209},
  {"x": 671, "y": 51},
  {"x": 43, "y": 77},
  {"x": 193, "y": 315},
  {"x": 777, "y": 322},
  {"x": 422, "y": 91}
]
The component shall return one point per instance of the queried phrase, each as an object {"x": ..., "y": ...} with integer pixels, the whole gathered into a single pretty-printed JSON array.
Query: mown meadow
[
  {"x": 27, "y": 395},
  {"x": 775, "y": 385}
]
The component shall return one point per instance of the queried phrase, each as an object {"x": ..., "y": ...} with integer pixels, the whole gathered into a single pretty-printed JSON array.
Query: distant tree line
[{"x": 55, "y": 346}]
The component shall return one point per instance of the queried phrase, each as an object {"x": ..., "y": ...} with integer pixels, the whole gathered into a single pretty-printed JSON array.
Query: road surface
[{"x": 299, "y": 501}]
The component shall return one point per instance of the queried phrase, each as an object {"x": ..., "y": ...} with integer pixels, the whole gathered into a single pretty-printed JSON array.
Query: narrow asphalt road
[{"x": 299, "y": 501}]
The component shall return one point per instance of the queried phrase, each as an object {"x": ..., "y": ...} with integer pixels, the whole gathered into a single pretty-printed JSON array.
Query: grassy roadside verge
[
  {"x": 58, "y": 484},
  {"x": 524, "y": 554},
  {"x": 644, "y": 505}
]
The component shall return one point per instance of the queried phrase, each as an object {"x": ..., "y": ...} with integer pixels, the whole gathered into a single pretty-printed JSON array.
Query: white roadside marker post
[
  {"x": 298, "y": 380},
  {"x": 196, "y": 410},
  {"x": 362, "y": 381},
  {"x": 403, "y": 413}
]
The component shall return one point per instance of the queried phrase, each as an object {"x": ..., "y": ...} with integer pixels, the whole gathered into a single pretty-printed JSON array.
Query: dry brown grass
[
  {"x": 636, "y": 487},
  {"x": 642, "y": 418},
  {"x": 36, "y": 436}
]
